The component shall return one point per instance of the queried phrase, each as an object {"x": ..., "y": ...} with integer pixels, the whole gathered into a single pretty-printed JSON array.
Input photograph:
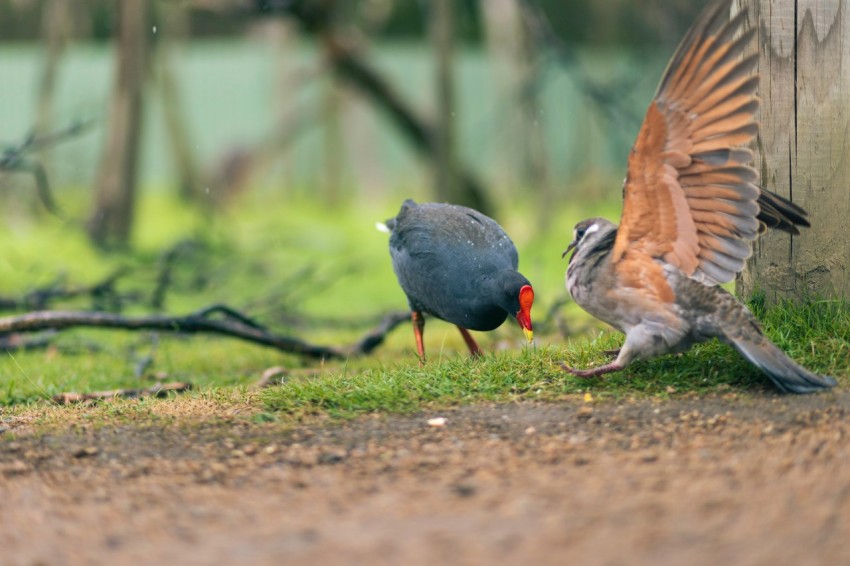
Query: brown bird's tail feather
[
  {"x": 784, "y": 372},
  {"x": 733, "y": 323},
  {"x": 779, "y": 213}
]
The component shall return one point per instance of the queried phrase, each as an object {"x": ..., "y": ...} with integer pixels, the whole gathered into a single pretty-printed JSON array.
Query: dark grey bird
[
  {"x": 458, "y": 265},
  {"x": 692, "y": 208}
]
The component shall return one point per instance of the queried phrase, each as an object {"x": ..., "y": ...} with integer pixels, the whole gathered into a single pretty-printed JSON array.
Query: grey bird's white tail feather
[{"x": 785, "y": 373}]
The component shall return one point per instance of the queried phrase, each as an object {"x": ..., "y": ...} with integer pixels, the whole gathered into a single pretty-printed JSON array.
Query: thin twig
[
  {"x": 607, "y": 97},
  {"x": 230, "y": 313},
  {"x": 14, "y": 159},
  {"x": 376, "y": 336},
  {"x": 40, "y": 298}
]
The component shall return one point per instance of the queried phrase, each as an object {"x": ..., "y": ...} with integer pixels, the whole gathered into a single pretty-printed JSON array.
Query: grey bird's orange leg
[
  {"x": 418, "y": 331},
  {"x": 470, "y": 342}
]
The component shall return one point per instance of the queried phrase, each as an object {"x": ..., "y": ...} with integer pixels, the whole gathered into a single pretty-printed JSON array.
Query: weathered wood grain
[{"x": 803, "y": 148}]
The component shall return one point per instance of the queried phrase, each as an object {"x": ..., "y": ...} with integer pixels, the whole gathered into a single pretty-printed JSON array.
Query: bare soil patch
[{"x": 698, "y": 481}]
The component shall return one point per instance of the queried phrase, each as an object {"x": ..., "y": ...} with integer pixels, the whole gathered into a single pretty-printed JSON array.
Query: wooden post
[{"x": 803, "y": 148}]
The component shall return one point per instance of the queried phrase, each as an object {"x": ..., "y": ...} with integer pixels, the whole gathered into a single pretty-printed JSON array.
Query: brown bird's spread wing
[{"x": 690, "y": 195}]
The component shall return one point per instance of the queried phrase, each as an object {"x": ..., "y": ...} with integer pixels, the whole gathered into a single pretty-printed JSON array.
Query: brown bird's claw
[{"x": 574, "y": 371}]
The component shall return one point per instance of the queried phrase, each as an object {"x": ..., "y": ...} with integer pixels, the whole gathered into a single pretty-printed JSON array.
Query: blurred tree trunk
[
  {"x": 535, "y": 174},
  {"x": 349, "y": 65},
  {"x": 446, "y": 187},
  {"x": 356, "y": 71},
  {"x": 330, "y": 113},
  {"x": 111, "y": 222},
  {"x": 511, "y": 41},
  {"x": 174, "y": 18},
  {"x": 802, "y": 148},
  {"x": 501, "y": 23},
  {"x": 56, "y": 29},
  {"x": 333, "y": 148},
  {"x": 284, "y": 38}
]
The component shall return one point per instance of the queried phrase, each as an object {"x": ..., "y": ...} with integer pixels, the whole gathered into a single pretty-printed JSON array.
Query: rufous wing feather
[{"x": 691, "y": 197}]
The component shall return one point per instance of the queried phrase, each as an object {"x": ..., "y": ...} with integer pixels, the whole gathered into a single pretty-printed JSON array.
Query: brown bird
[{"x": 692, "y": 208}]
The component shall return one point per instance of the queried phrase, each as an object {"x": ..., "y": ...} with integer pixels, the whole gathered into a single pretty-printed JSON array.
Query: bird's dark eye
[{"x": 580, "y": 232}]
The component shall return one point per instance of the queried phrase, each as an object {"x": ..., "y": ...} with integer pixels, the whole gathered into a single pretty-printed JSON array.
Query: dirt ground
[{"x": 708, "y": 481}]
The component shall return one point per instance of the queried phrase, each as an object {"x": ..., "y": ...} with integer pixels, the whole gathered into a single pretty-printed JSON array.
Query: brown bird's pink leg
[
  {"x": 418, "y": 331},
  {"x": 625, "y": 356},
  {"x": 593, "y": 372},
  {"x": 470, "y": 342}
]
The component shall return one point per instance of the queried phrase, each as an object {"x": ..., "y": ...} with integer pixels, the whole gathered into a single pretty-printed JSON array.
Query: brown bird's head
[{"x": 589, "y": 231}]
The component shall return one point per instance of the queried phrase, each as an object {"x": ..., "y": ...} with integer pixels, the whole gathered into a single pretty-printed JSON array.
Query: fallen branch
[
  {"x": 235, "y": 324},
  {"x": 159, "y": 390}
]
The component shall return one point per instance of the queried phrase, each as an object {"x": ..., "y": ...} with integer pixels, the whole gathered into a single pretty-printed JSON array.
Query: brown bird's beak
[{"x": 569, "y": 249}]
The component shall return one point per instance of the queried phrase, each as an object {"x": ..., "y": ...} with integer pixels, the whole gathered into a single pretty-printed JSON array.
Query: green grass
[
  {"x": 816, "y": 334},
  {"x": 315, "y": 273}
]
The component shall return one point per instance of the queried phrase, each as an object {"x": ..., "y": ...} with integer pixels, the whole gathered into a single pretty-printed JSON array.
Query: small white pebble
[
  {"x": 437, "y": 421},
  {"x": 530, "y": 430}
]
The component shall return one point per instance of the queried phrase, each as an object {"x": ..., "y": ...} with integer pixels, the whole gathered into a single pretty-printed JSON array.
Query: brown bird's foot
[{"x": 592, "y": 372}]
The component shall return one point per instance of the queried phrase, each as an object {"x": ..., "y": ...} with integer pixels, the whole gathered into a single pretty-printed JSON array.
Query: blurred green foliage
[
  {"x": 325, "y": 275},
  {"x": 579, "y": 22},
  {"x": 300, "y": 268},
  {"x": 231, "y": 94}
]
